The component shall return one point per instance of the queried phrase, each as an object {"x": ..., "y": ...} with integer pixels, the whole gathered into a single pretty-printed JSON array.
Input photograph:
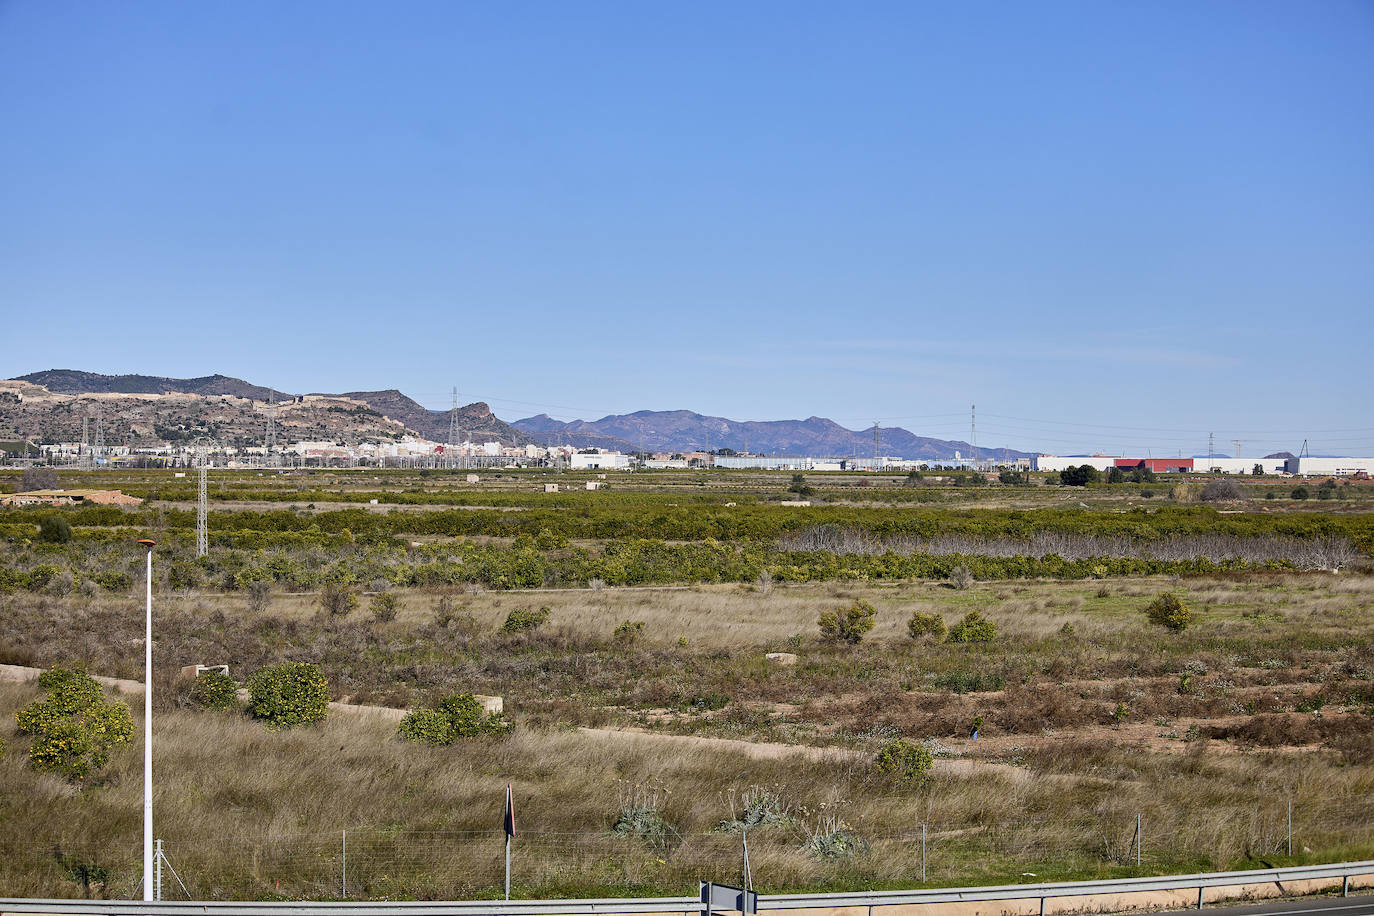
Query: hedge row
[
  {"x": 627, "y": 562},
  {"x": 758, "y": 522}
]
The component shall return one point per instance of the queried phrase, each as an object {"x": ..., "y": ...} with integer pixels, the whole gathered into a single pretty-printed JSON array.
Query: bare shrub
[
  {"x": 259, "y": 596},
  {"x": 338, "y": 600},
  {"x": 39, "y": 479},
  {"x": 764, "y": 584},
  {"x": 1222, "y": 489}
]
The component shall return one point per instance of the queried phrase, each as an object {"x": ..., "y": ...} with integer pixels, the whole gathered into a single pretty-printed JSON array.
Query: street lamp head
[{"x": 147, "y": 542}]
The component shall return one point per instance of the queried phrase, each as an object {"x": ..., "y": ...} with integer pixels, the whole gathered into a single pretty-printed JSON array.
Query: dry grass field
[
  {"x": 636, "y": 746},
  {"x": 1264, "y": 699}
]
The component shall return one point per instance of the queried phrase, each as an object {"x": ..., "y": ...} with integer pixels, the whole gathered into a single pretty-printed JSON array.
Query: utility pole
[
  {"x": 202, "y": 501},
  {"x": 148, "y": 887},
  {"x": 85, "y": 458},
  {"x": 1210, "y": 449},
  {"x": 875, "y": 445},
  {"x": 1236, "y": 443}
]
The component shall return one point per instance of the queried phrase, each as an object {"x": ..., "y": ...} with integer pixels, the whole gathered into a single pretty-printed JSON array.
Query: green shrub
[
  {"x": 215, "y": 690},
  {"x": 1169, "y": 611},
  {"x": 73, "y": 728},
  {"x": 54, "y": 529},
  {"x": 921, "y": 626},
  {"x": 288, "y": 695},
  {"x": 114, "y": 580},
  {"x": 1300, "y": 493},
  {"x": 973, "y": 628},
  {"x": 628, "y": 630},
  {"x": 455, "y": 716},
  {"x": 383, "y": 607},
  {"x": 523, "y": 618},
  {"x": 763, "y": 808},
  {"x": 848, "y": 624},
  {"x": 833, "y": 840},
  {"x": 1079, "y": 476},
  {"x": 960, "y": 577},
  {"x": 182, "y": 574},
  {"x": 41, "y": 575},
  {"x": 903, "y": 761}
]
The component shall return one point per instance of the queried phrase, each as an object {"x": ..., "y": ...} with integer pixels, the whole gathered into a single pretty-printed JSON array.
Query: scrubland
[{"x": 1086, "y": 714}]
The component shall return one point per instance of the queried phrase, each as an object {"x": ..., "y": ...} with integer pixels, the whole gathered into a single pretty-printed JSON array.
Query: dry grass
[
  {"x": 247, "y": 813},
  {"x": 1273, "y": 661}
]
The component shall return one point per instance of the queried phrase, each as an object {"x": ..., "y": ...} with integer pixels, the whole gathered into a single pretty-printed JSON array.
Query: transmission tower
[
  {"x": 1236, "y": 443},
  {"x": 271, "y": 442},
  {"x": 875, "y": 445},
  {"x": 1210, "y": 447},
  {"x": 973, "y": 432},
  {"x": 99, "y": 450},
  {"x": 451, "y": 451},
  {"x": 86, "y": 443}
]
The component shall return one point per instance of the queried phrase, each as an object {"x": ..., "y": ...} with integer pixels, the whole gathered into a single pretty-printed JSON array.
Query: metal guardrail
[{"x": 1343, "y": 871}]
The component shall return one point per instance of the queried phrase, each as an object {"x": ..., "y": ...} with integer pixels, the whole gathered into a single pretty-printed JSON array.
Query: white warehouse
[
  {"x": 1329, "y": 467},
  {"x": 599, "y": 461}
]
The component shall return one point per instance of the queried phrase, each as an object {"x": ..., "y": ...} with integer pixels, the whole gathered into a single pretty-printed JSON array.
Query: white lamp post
[{"x": 148, "y": 888}]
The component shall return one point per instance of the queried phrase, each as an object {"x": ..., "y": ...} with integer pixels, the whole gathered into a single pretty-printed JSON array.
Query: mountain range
[
  {"x": 157, "y": 407},
  {"x": 686, "y": 431}
]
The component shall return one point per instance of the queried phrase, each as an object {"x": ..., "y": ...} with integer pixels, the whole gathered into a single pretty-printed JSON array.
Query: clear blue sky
[{"x": 1123, "y": 225}]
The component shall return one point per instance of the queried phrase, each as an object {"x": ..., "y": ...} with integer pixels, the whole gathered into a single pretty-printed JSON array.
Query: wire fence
[{"x": 376, "y": 863}]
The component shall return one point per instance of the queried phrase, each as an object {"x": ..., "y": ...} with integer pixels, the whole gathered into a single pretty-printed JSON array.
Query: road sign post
[{"x": 722, "y": 898}]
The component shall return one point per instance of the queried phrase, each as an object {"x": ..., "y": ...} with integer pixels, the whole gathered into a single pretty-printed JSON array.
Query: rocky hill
[
  {"x": 74, "y": 381},
  {"x": 476, "y": 422},
  {"x": 143, "y": 410},
  {"x": 684, "y": 431}
]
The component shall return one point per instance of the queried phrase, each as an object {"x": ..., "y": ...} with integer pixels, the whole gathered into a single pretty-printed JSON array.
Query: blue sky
[{"x": 1111, "y": 226}]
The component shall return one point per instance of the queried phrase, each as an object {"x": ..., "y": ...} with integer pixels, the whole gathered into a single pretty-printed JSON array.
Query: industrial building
[
  {"x": 599, "y": 461},
  {"x": 1298, "y": 467},
  {"x": 1329, "y": 467}
]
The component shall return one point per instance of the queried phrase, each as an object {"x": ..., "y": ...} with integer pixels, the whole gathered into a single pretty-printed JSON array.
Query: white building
[
  {"x": 599, "y": 461},
  {"x": 1060, "y": 463},
  {"x": 1329, "y": 467},
  {"x": 762, "y": 463},
  {"x": 1238, "y": 465}
]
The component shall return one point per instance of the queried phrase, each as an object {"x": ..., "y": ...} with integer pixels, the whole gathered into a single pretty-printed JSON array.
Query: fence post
[
  {"x": 923, "y": 853},
  {"x": 1345, "y": 885},
  {"x": 343, "y": 875},
  {"x": 748, "y": 873},
  {"x": 1137, "y": 841},
  {"x": 1290, "y": 826},
  {"x": 1199, "y": 897},
  {"x": 157, "y": 871}
]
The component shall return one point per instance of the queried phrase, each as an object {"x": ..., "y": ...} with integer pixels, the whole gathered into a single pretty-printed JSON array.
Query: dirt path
[{"x": 761, "y": 750}]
